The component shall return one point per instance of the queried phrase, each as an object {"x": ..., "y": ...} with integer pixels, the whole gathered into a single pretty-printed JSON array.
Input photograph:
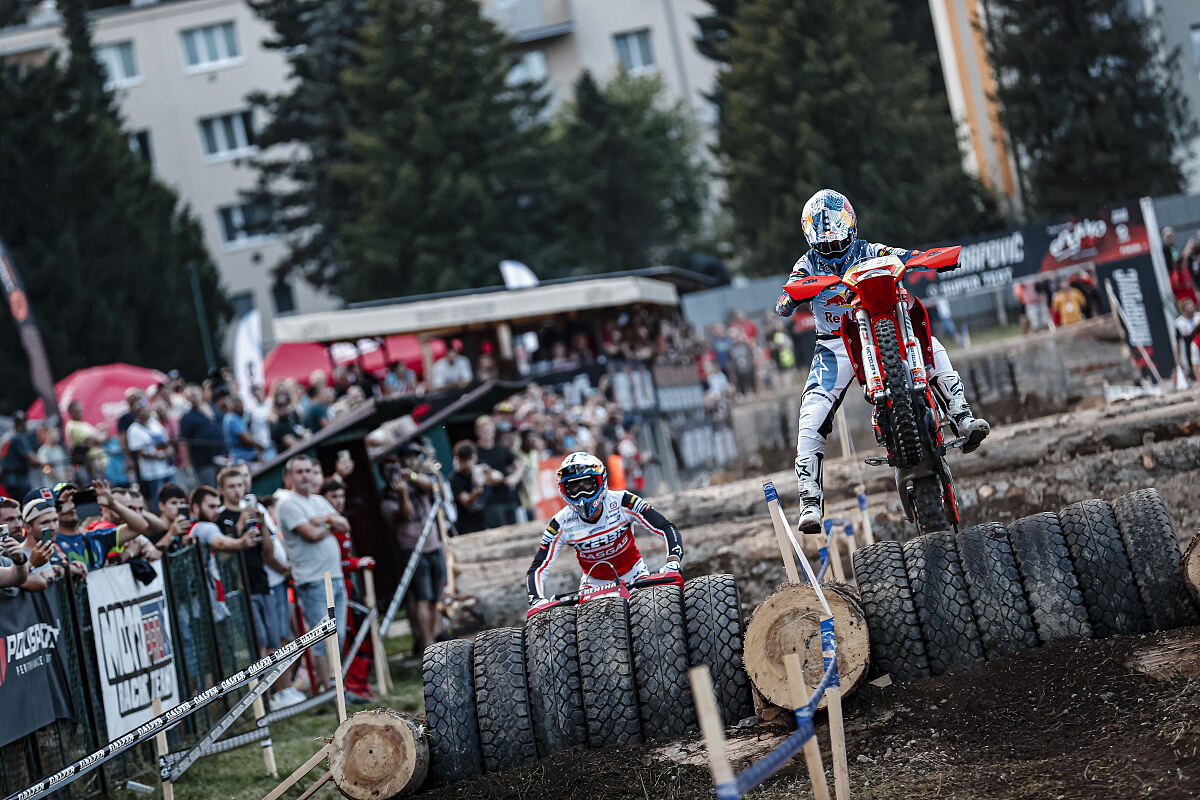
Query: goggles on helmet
[{"x": 580, "y": 487}]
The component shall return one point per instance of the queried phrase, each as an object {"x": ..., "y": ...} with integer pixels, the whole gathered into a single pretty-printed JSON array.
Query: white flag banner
[
  {"x": 136, "y": 658},
  {"x": 248, "y": 355},
  {"x": 518, "y": 276}
]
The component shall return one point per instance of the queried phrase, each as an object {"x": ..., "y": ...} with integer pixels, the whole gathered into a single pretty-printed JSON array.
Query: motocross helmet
[
  {"x": 582, "y": 482},
  {"x": 830, "y": 224}
]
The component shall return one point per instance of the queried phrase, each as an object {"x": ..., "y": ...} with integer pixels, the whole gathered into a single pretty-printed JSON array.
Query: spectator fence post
[
  {"x": 333, "y": 649},
  {"x": 160, "y": 742},
  {"x": 382, "y": 678}
]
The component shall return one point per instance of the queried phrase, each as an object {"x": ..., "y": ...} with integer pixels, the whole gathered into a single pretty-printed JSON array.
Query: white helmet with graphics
[{"x": 830, "y": 224}]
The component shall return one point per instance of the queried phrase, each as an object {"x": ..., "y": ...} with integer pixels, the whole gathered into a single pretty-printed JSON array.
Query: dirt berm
[{"x": 1021, "y": 469}]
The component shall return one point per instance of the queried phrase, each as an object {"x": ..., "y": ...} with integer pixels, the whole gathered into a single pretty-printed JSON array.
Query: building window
[
  {"x": 119, "y": 64},
  {"x": 139, "y": 143},
  {"x": 243, "y": 304},
  {"x": 284, "y": 298},
  {"x": 531, "y": 68},
  {"x": 1196, "y": 44},
  {"x": 227, "y": 135},
  {"x": 635, "y": 50},
  {"x": 243, "y": 223},
  {"x": 210, "y": 46}
]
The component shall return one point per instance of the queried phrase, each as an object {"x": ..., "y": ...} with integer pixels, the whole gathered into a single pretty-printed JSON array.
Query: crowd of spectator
[{"x": 1184, "y": 270}]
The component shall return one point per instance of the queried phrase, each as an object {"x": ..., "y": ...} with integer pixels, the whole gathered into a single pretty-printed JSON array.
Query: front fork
[
  {"x": 871, "y": 372},
  {"x": 912, "y": 348}
]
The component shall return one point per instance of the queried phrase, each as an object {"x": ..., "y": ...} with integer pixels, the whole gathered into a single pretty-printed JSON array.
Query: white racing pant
[
  {"x": 828, "y": 378},
  {"x": 602, "y": 575}
]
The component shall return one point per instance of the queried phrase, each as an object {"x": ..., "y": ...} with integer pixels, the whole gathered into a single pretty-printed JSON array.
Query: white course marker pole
[
  {"x": 812, "y": 751},
  {"x": 711, "y": 725},
  {"x": 334, "y": 655},
  {"x": 260, "y": 711},
  {"x": 782, "y": 533},
  {"x": 160, "y": 742},
  {"x": 382, "y": 679}
]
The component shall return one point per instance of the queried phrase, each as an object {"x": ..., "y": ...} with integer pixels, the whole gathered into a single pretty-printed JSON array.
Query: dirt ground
[{"x": 1071, "y": 721}]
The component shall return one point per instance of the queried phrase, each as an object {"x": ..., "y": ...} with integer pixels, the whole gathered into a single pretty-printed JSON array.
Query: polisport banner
[
  {"x": 133, "y": 646},
  {"x": 33, "y": 678},
  {"x": 994, "y": 261}
]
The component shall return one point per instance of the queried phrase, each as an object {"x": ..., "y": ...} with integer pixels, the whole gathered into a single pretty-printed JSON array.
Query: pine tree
[
  {"x": 632, "y": 186},
  {"x": 102, "y": 246},
  {"x": 320, "y": 40},
  {"x": 447, "y": 176},
  {"x": 715, "y": 30},
  {"x": 819, "y": 93},
  {"x": 1090, "y": 100}
]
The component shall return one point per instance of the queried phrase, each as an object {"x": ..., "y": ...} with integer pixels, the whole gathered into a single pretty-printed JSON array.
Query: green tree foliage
[
  {"x": 819, "y": 93},
  {"x": 1090, "y": 100},
  {"x": 715, "y": 29},
  {"x": 631, "y": 186},
  {"x": 102, "y": 246},
  {"x": 448, "y": 176},
  {"x": 320, "y": 41}
]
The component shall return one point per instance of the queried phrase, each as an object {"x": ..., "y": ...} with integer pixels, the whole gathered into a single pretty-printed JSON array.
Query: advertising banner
[
  {"x": 1145, "y": 324},
  {"x": 33, "y": 678},
  {"x": 133, "y": 646},
  {"x": 1049, "y": 249},
  {"x": 548, "y": 500}
]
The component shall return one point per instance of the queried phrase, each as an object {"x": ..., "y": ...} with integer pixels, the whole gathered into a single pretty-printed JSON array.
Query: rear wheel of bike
[
  {"x": 900, "y": 399},
  {"x": 929, "y": 505}
]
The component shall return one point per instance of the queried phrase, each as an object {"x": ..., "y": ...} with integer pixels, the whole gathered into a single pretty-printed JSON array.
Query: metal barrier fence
[{"x": 206, "y": 652}]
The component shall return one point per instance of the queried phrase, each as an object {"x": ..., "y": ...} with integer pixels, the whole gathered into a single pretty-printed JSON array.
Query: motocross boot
[
  {"x": 949, "y": 387},
  {"x": 812, "y": 497}
]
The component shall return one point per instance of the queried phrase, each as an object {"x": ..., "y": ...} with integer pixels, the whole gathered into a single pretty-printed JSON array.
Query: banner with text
[
  {"x": 1145, "y": 324},
  {"x": 33, "y": 677},
  {"x": 133, "y": 646},
  {"x": 1048, "y": 249}
]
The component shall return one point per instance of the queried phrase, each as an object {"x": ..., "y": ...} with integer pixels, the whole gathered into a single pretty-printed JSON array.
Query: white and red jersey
[{"x": 607, "y": 541}]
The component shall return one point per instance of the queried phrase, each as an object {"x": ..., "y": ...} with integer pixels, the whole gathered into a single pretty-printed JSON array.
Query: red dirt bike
[
  {"x": 890, "y": 348},
  {"x": 618, "y": 588}
]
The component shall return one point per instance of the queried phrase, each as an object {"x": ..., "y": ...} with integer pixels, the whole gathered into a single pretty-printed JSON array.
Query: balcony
[{"x": 532, "y": 20}]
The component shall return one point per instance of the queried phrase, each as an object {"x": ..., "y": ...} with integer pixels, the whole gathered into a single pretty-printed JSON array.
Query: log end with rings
[
  {"x": 1191, "y": 567},
  {"x": 378, "y": 754},
  {"x": 789, "y": 621}
]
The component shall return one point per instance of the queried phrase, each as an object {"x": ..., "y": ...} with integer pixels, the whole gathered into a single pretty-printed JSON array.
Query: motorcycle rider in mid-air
[
  {"x": 598, "y": 523},
  {"x": 831, "y": 229}
]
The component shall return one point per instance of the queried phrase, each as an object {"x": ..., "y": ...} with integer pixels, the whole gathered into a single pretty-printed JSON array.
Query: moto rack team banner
[
  {"x": 134, "y": 651},
  {"x": 1106, "y": 235},
  {"x": 33, "y": 678}
]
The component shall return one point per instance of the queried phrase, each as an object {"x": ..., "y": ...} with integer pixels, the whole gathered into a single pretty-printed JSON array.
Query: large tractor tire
[
  {"x": 555, "y": 695},
  {"x": 713, "y": 617},
  {"x": 897, "y": 648},
  {"x": 502, "y": 700},
  {"x": 1106, "y": 581},
  {"x": 942, "y": 602},
  {"x": 454, "y": 751},
  {"x": 1049, "y": 578},
  {"x": 610, "y": 700},
  {"x": 1153, "y": 550},
  {"x": 997, "y": 596},
  {"x": 660, "y": 661}
]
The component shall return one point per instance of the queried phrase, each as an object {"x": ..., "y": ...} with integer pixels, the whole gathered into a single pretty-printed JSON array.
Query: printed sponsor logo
[{"x": 28, "y": 649}]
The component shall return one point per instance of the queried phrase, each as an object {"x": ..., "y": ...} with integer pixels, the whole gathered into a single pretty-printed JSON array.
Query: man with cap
[
  {"x": 47, "y": 560},
  {"x": 91, "y": 548}
]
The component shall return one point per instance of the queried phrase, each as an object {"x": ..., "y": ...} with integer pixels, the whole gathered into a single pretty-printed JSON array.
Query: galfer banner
[
  {"x": 994, "y": 261},
  {"x": 33, "y": 678},
  {"x": 134, "y": 651}
]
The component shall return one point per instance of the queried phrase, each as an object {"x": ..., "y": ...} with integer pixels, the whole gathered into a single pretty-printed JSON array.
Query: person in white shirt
[
  {"x": 148, "y": 441},
  {"x": 452, "y": 370}
]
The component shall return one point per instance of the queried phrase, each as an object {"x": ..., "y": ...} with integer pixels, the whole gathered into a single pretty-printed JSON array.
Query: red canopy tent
[
  {"x": 101, "y": 392},
  {"x": 298, "y": 360}
]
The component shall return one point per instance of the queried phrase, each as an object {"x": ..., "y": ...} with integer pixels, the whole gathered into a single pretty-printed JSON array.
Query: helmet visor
[{"x": 580, "y": 487}]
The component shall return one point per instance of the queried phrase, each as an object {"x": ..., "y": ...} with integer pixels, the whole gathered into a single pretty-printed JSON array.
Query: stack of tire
[
  {"x": 947, "y": 601},
  {"x": 607, "y": 672}
]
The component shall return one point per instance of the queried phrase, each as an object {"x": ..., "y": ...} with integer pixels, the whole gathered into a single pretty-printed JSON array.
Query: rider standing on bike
[
  {"x": 598, "y": 523},
  {"x": 831, "y": 229}
]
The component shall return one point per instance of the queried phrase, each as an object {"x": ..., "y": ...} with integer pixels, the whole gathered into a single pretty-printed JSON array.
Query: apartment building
[
  {"x": 1179, "y": 23},
  {"x": 180, "y": 72},
  {"x": 558, "y": 39}
]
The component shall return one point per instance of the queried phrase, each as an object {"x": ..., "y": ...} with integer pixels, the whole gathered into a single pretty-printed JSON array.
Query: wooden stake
[
  {"x": 865, "y": 526},
  {"x": 382, "y": 677},
  {"x": 303, "y": 770},
  {"x": 711, "y": 725},
  {"x": 260, "y": 711},
  {"x": 160, "y": 742},
  {"x": 444, "y": 534},
  {"x": 334, "y": 654},
  {"x": 835, "y": 557},
  {"x": 781, "y": 533},
  {"x": 812, "y": 752},
  {"x": 837, "y": 744},
  {"x": 321, "y": 781}
]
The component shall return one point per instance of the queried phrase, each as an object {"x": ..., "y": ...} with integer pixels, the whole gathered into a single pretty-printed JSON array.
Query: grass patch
[{"x": 240, "y": 775}]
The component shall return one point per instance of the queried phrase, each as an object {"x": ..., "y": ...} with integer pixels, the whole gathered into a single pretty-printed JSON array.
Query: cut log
[
  {"x": 1191, "y": 567},
  {"x": 789, "y": 621},
  {"x": 378, "y": 754}
]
